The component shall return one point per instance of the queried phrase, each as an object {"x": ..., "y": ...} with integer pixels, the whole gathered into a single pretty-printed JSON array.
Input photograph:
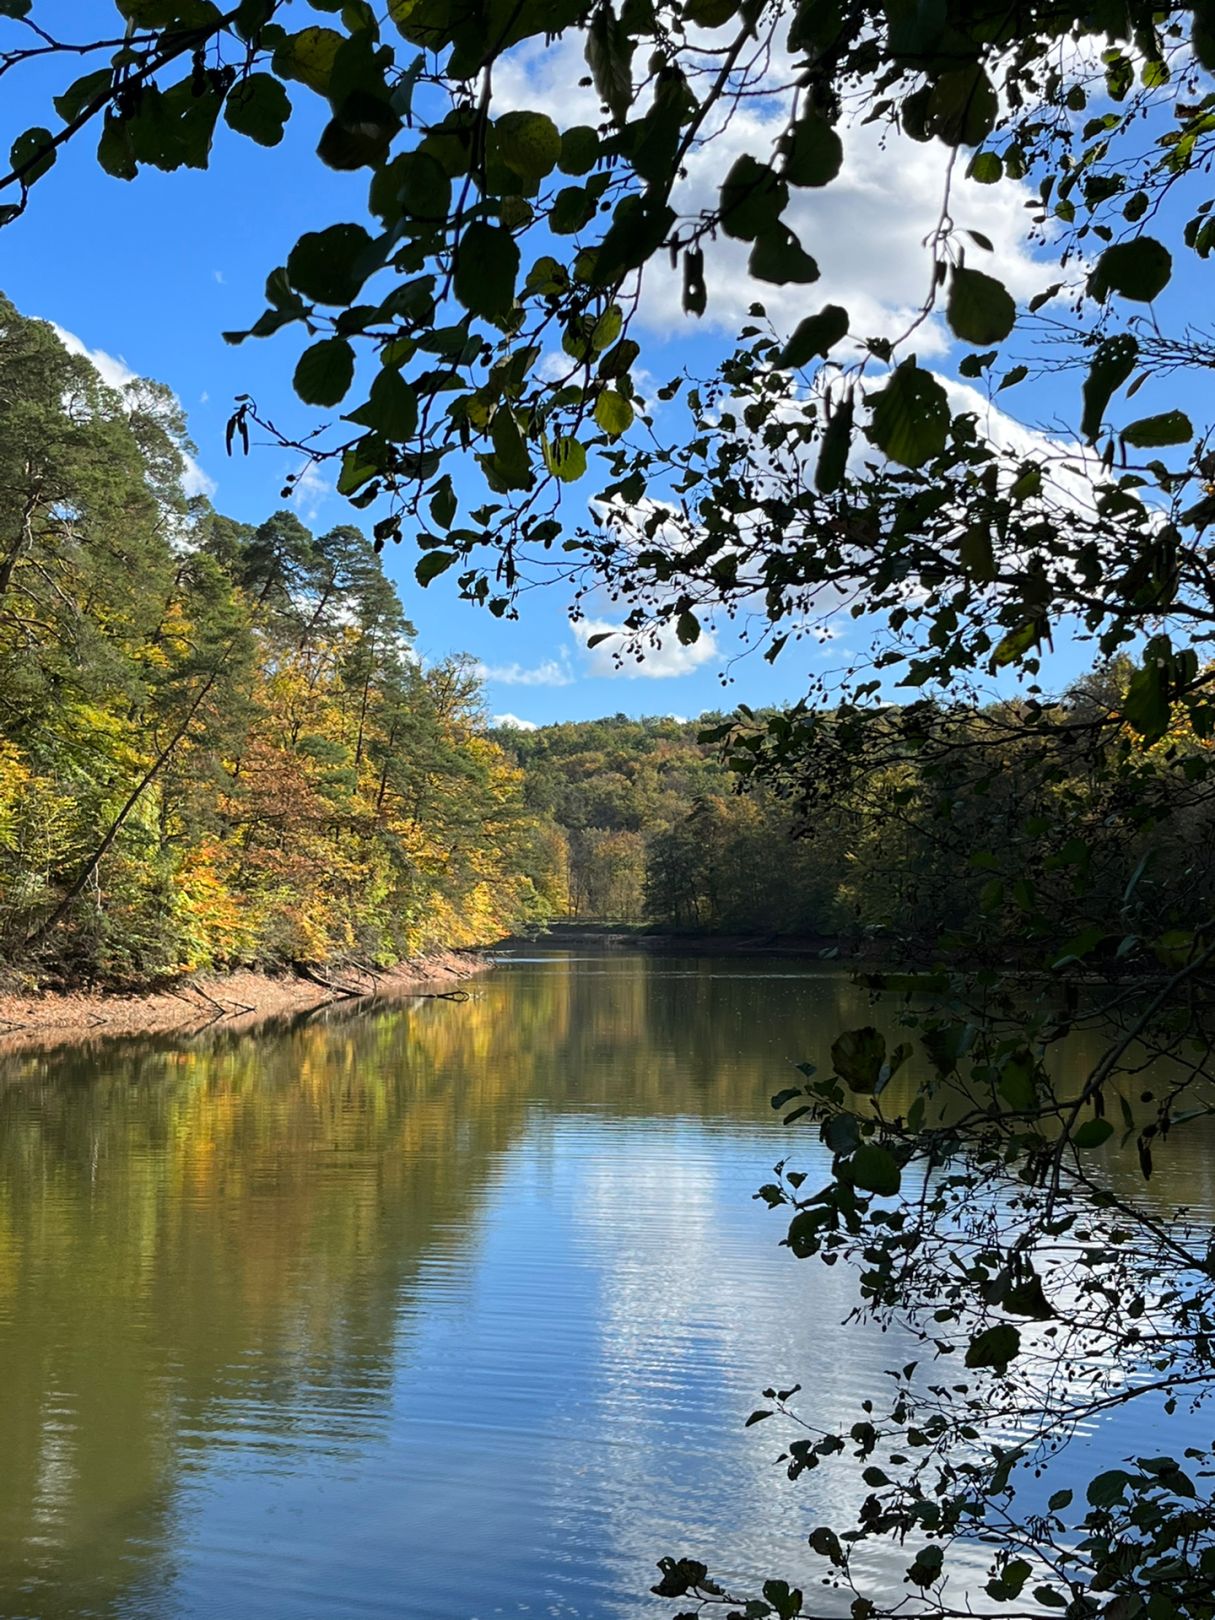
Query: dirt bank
[{"x": 235, "y": 1000}]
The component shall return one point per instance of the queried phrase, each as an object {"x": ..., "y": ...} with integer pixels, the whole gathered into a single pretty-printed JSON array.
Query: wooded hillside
[{"x": 217, "y": 745}]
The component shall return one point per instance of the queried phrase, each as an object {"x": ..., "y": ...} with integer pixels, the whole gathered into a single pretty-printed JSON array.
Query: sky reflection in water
[{"x": 435, "y": 1310}]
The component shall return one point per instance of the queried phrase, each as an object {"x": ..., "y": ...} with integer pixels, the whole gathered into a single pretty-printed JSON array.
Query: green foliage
[
  {"x": 214, "y": 747},
  {"x": 1064, "y": 836},
  {"x": 980, "y": 309},
  {"x": 910, "y": 416}
]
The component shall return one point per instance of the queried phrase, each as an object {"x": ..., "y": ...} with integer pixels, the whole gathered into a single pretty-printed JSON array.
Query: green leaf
[
  {"x": 832, "y": 464},
  {"x": 1138, "y": 270},
  {"x": 443, "y": 502},
  {"x": 875, "y": 1170},
  {"x": 962, "y": 107},
  {"x": 911, "y": 417},
  {"x": 566, "y": 459},
  {"x": 114, "y": 152},
  {"x": 433, "y": 563},
  {"x": 841, "y": 1132},
  {"x": 613, "y": 413},
  {"x": 487, "y": 264},
  {"x": 1017, "y": 1083},
  {"x": 986, "y": 167},
  {"x": 414, "y": 188},
  {"x": 1106, "y": 1490},
  {"x": 1059, "y": 1501},
  {"x": 328, "y": 266},
  {"x": 638, "y": 228},
  {"x": 980, "y": 308},
  {"x": 258, "y": 107},
  {"x": 995, "y": 1347},
  {"x": 812, "y": 151},
  {"x": 391, "y": 409},
  {"x": 778, "y": 257},
  {"x": 1028, "y": 482},
  {"x": 786, "y": 1600},
  {"x": 33, "y": 148},
  {"x": 976, "y": 554},
  {"x": 510, "y": 465},
  {"x": 826, "y": 1543},
  {"x": 816, "y": 335},
  {"x": 325, "y": 372},
  {"x": 1028, "y": 1299},
  {"x": 573, "y": 208},
  {"x": 1092, "y": 1133},
  {"x": 580, "y": 147},
  {"x": 528, "y": 143},
  {"x": 710, "y": 13},
  {"x": 753, "y": 197},
  {"x": 1017, "y": 643},
  {"x": 83, "y": 91},
  {"x": 360, "y": 465},
  {"x": 1147, "y": 705},
  {"x": 609, "y": 55},
  {"x": 308, "y": 57},
  {"x": 360, "y": 132},
  {"x": 1113, "y": 361},
  {"x": 1149, "y": 432},
  {"x": 974, "y": 365},
  {"x": 858, "y": 1056}
]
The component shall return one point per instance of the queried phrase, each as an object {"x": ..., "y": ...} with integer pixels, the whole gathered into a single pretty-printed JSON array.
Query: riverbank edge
[
  {"x": 239, "y": 1000},
  {"x": 560, "y": 936}
]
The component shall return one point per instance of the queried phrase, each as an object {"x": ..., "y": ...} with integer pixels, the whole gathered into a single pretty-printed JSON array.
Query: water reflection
[{"x": 443, "y": 1310}]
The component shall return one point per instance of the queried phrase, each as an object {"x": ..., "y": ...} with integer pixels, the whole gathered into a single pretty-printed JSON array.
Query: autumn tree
[{"x": 826, "y": 468}]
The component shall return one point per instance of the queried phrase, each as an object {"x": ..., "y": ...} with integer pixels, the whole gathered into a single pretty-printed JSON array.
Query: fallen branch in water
[{"x": 349, "y": 992}]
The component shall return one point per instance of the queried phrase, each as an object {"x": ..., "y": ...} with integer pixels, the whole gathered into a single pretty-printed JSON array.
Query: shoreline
[
  {"x": 587, "y": 936},
  {"x": 236, "y": 1001}
]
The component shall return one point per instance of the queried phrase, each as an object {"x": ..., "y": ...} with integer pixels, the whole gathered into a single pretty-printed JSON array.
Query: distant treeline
[
  {"x": 641, "y": 824},
  {"x": 848, "y": 833},
  {"x": 216, "y": 743}
]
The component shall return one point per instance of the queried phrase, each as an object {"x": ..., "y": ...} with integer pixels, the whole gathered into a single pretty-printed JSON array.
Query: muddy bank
[{"x": 234, "y": 1001}]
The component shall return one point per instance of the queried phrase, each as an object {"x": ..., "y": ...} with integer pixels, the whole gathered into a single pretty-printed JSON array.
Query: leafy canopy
[{"x": 829, "y": 469}]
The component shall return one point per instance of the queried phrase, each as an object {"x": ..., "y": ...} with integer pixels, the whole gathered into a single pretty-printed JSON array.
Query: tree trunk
[{"x": 35, "y": 938}]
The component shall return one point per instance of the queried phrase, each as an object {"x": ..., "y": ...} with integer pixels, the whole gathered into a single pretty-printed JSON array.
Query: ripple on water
[{"x": 442, "y": 1311}]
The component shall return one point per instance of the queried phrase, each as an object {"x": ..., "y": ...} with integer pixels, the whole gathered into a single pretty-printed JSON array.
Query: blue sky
[{"x": 154, "y": 271}]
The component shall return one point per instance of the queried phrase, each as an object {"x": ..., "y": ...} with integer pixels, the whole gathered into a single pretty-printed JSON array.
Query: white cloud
[
  {"x": 309, "y": 491},
  {"x": 867, "y": 230},
  {"x": 195, "y": 481},
  {"x": 512, "y": 722},
  {"x": 552, "y": 672},
  {"x": 654, "y": 657},
  {"x": 219, "y": 277},
  {"x": 116, "y": 374}
]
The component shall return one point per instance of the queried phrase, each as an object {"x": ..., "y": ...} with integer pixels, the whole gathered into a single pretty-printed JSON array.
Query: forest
[
  {"x": 217, "y": 746},
  {"x": 646, "y": 823},
  {"x": 242, "y": 761},
  {"x": 948, "y": 264}
]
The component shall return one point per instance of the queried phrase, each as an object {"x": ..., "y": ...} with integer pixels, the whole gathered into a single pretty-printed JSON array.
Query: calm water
[{"x": 437, "y": 1310}]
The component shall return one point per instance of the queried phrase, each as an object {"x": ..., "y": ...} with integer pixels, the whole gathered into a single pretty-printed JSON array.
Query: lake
[{"x": 424, "y": 1309}]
